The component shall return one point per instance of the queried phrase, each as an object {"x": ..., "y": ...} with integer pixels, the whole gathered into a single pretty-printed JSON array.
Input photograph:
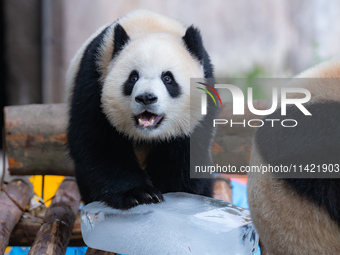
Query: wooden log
[
  {"x": 36, "y": 140},
  {"x": 54, "y": 235},
  {"x": 20, "y": 191},
  {"x": 91, "y": 251},
  {"x": 223, "y": 189},
  {"x": 24, "y": 233}
]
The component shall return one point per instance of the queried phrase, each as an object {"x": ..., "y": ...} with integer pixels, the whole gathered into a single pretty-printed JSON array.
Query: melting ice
[{"x": 183, "y": 224}]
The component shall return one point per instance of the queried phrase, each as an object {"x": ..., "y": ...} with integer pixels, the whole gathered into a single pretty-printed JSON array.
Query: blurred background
[{"x": 264, "y": 38}]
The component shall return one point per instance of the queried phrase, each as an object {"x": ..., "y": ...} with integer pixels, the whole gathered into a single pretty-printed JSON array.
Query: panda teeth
[
  {"x": 146, "y": 123},
  {"x": 148, "y": 120}
]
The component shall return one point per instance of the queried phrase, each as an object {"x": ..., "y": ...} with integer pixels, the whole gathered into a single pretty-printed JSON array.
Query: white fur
[
  {"x": 136, "y": 23},
  {"x": 152, "y": 55},
  {"x": 155, "y": 46},
  {"x": 321, "y": 89}
]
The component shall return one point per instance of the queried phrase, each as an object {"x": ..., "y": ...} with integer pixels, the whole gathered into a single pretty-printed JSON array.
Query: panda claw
[
  {"x": 149, "y": 196},
  {"x": 158, "y": 200},
  {"x": 135, "y": 197}
]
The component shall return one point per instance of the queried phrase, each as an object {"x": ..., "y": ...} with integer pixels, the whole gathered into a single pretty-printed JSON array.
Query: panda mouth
[{"x": 149, "y": 120}]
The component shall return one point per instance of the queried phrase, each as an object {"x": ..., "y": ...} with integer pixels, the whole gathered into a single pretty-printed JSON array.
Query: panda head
[{"x": 146, "y": 92}]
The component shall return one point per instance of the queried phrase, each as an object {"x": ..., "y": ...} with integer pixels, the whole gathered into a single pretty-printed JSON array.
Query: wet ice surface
[{"x": 183, "y": 224}]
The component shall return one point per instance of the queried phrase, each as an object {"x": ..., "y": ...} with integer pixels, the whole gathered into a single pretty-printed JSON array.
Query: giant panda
[
  {"x": 300, "y": 216},
  {"x": 130, "y": 114}
]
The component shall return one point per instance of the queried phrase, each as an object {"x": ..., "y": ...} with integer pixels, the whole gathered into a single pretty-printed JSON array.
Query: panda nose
[{"x": 146, "y": 99}]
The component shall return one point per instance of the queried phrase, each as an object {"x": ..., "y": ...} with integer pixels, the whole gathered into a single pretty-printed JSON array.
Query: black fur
[
  {"x": 129, "y": 84},
  {"x": 172, "y": 87},
  {"x": 168, "y": 167},
  {"x": 194, "y": 44},
  {"x": 193, "y": 41},
  {"x": 120, "y": 39},
  {"x": 199, "y": 142},
  {"x": 315, "y": 140},
  {"x": 106, "y": 166}
]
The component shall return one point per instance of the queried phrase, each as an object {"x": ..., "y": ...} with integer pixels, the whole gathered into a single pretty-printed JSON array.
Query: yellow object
[
  {"x": 51, "y": 184},
  {"x": 7, "y": 250}
]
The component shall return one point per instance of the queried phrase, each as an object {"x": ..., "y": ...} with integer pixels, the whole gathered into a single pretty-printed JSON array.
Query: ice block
[{"x": 183, "y": 224}]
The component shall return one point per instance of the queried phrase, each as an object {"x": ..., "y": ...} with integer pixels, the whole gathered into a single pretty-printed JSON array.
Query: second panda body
[
  {"x": 301, "y": 216},
  {"x": 129, "y": 110}
]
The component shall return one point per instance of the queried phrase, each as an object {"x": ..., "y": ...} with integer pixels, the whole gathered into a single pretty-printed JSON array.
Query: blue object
[
  {"x": 239, "y": 194},
  {"x": 76, "y": 250}
]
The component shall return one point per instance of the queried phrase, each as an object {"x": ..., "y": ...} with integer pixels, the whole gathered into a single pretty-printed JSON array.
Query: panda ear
[
  {"x": 120, "y": 39},
  {"x": 193, "y": 41}
]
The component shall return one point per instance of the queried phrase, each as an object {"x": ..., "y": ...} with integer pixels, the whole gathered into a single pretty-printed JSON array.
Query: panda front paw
[{"x": 136, "y": 196}]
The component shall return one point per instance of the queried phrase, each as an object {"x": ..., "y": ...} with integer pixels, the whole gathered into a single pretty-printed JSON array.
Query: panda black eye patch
[
  {"x": 171, "y": 84},
  {"x": 130, "y": 83}
]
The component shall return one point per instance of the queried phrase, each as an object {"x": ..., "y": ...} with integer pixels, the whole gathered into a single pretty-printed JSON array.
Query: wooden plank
[
  {"x": 20, "y": 191},
  {"x": 54, "y": 235}
]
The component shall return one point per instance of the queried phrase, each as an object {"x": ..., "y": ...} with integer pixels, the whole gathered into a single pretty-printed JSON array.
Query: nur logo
[
  {"x": 204, "y": 97},
  {"x": 239, "y": 99}
]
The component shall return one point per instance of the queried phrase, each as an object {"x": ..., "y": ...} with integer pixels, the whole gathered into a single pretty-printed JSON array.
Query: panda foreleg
[
  {"x": 121, "y": 190},
  {"x": 106, "y": 167}
]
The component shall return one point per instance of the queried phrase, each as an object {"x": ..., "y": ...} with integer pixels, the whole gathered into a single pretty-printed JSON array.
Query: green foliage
[
  {"x": 316, "y": 54},
  {"x": 252, "y": 78},
  {"x": 256, "y": 72}
]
